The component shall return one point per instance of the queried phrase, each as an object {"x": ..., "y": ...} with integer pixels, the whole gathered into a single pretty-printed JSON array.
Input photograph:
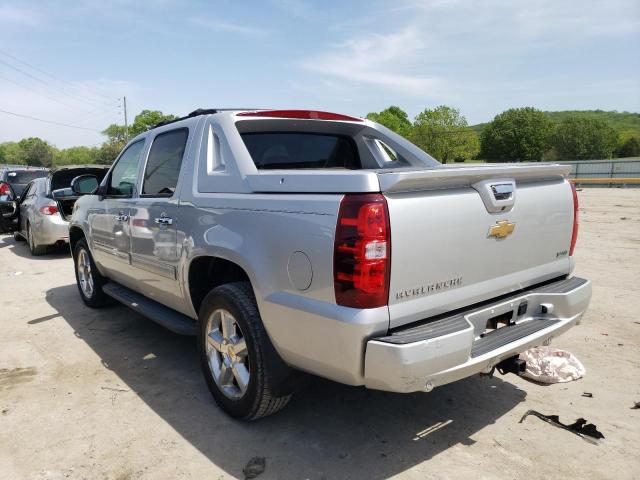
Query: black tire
[
  {"x": 97, "y": 298},
  {"x": 35, "y": 249},
  {"x": 267, "y": 390},
  {"x": 17, "y": 237}
]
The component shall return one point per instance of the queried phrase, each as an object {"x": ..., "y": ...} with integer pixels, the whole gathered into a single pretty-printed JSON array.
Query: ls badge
[{"x": 501, "y": 229}]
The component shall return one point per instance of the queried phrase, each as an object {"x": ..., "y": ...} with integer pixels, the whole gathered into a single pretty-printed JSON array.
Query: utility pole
[{"x": 126, "y": 125}]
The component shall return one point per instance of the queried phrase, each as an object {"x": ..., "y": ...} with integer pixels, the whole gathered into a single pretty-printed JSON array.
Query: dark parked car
[{"x": 19, "y": 176}]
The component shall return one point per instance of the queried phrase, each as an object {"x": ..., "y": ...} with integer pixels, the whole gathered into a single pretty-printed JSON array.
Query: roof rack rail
[{"x": 202, "y": 111}]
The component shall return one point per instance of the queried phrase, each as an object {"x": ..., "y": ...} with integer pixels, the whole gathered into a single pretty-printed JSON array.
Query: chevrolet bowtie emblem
[{"x": 501, "y": 229}]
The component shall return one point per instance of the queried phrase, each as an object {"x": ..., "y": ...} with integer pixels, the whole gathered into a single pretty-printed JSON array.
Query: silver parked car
[{"x": 45, "y": 205}]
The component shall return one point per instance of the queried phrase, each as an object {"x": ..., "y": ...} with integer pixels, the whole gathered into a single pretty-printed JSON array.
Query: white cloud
[
  {"x": 388, "y": 61},
  {"x": 18, "y": 16},
  {"x": 443, "y": 48},
  {"x": 229, "y": 27},
  {"x": 567, "y": 18}
]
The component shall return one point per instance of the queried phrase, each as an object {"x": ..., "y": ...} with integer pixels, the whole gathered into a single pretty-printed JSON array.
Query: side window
[
  {"x": 125, "y": 173},
  {"x": 385, "y": 156},
  {"x": 163, "y": 164}
]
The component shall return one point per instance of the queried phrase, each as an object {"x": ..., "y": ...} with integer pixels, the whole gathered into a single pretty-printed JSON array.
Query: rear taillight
[
  {"x": 4, "y": 189},
  {"x": 139, "y": 222},
  {"x": 362, "y": 252},
  {"x": 49, "y": 210},
  {"x": 574, "y": 234}
]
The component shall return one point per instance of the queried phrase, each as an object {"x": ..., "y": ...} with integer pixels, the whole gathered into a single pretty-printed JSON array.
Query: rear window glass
[
  {"x": 24, "y": 176},
  {"x": 298, "y": 150}
]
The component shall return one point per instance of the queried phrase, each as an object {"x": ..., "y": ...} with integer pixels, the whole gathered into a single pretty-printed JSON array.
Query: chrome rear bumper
[{"x": 443, "y": 350}]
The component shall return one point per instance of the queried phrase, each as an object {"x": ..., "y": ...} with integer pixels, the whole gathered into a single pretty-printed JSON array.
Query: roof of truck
[
  {"x": 267, "y": 113},
  {"x": 202, "y": 111}
]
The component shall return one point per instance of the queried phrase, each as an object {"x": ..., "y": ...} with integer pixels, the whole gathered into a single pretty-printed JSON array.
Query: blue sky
[{"x": 480, "y": 56}]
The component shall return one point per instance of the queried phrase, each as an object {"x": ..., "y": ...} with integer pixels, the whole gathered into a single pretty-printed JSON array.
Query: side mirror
[
  {"x": 62, "y": 193},
  {"x": 84, "y": 184},
  {"x": 6, "y": 193}
]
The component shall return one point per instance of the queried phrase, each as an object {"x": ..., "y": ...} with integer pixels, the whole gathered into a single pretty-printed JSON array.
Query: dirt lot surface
[{"x": 109, "y": 395}]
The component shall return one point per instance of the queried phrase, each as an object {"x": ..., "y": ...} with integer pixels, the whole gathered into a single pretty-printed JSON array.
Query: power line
[
  {"x": 83, "y": 116},
  {"x": 94, "y": 114},
  {"x": 57, "y": 90},
  {"x": 31, "y": 76},
  {"x": 104, "y": 118},
  {"x": 47, "y": 121},
  {"x": 54, "y": 77},
  {"x": 50, "y": 97},
  {"x": 32, "y": 66}
]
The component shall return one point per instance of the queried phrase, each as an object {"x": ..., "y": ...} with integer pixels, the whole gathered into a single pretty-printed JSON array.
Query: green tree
[
  {"x": 11, "y": 154},
  {"x": 584, "y": 138},
  {"x": 516, "y": 135},
  {"x": 36, "y": 152},
  {"x": 445, "y": 134},
  {"x": 394, "y": 118},
  {"x": 76, "y": 156},
  {"x": 144, "y": 121},
  {"x": 630, "y": 148},
  {"x": 108, "y": 152},
  {"x": 148, "y": 119},
  {"x": 117, "y": 134}
]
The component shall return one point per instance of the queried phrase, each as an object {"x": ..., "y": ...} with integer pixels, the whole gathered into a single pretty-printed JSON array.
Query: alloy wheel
[
  {"x": 227, "y": 354},
  {"x": 84, "y": 273}
]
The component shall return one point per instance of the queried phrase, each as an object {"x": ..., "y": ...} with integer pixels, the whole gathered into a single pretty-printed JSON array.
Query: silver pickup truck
[{"x": 297, "y": 241}]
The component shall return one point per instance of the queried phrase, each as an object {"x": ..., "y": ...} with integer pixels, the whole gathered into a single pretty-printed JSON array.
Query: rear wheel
[
  {"x": 36, "y": 250},
  {"x": 88, "y": 277},
  {"x": 242, "y": 370}
]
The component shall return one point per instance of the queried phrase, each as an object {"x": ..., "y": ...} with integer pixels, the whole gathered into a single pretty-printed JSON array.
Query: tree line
[
  {"x": 37, "y": 152},
  {"x": 515, "y": 135}
]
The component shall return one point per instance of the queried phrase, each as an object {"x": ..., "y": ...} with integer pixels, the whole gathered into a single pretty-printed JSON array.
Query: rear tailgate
[{"x": 446, "y": 250}]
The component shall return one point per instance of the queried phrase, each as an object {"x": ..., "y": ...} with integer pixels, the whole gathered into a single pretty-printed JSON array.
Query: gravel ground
[{"x": 110, "y": 395}]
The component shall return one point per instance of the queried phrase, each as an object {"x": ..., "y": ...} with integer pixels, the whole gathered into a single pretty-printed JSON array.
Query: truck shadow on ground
[{"x": 327, "y": 431}]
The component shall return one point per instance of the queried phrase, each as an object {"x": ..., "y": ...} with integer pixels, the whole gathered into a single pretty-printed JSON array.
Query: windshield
[{"x": 22, "y": 177}]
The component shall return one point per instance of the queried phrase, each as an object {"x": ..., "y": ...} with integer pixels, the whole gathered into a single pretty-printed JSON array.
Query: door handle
[
  {"x": 122, "y": 217},
  {"x": 163, "y": 220}
]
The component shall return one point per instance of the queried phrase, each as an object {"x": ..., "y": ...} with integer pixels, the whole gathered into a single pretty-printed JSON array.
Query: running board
[{"x": 165, "y": 316}]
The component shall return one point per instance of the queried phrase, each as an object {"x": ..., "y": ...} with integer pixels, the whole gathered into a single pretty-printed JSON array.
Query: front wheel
[
  {"x": 88, "y": 277},
  {"x": 240, "y": 365}
]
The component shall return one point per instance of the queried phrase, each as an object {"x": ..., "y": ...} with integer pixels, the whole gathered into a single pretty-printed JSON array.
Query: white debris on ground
[{"x": 552, "y": 365}]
